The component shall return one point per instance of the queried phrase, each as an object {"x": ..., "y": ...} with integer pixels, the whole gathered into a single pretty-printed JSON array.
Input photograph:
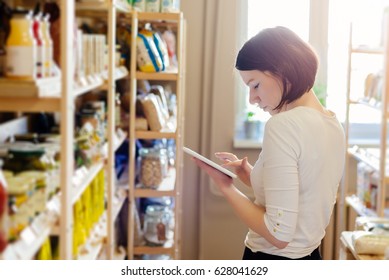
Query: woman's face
[{"x": 265, "y": 89}]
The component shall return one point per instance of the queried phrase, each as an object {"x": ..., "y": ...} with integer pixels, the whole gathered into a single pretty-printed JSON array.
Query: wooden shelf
[
  {"x": 155, "y": 135},
  {"x": 166, "y": 249},
  {"x": 42, "y": 95},
  {"x": 346, "y": 239},
  {"x": 157, "y": 17},
  {"x": 374, "y": 104},
  {"x": 368, "y": 156},
  {"x": 102, "y": 6},
  {"x": 82, "y": 178},
  {"x": 95, "y": 242},
  {"x": 159, "y": 76},
  {"x": 120, "y": 73},
  {"x": 358, "y": 207},
  {"x": 166, "y": 188},
  {"x": 367, "y": 50},
  {"x": 33, "y": 236}
]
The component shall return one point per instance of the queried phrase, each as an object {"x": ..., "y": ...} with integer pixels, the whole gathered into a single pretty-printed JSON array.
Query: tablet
[{"x": 209, "y": 162}]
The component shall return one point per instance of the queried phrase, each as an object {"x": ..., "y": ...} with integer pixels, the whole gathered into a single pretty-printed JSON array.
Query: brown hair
[{"x": 281, "y": 52}]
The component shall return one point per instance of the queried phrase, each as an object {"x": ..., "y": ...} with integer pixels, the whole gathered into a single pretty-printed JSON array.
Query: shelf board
[
  {"x": 367, "y": 50},
  {"x": 33, "y": 236},
  {"x": 358, "y": 206},
  {"x": 369, "y": 103},
  {"x": 120, "y": 73},
  {"x": 160, "y": 76},
  {"x": 166, "y": 249},
  {"x": 83, "y": 178},
  {"x": 95, "y": 242},
  {"x": 118, "y": 255},
  {"x": 346, "y": 238},
  {"x": 155, "y": 135},
  {"x": 157, "y": 17},
  {"x": 367, "y": 156},
  {"x": 119, "y": 137},
  {"x": 42, "y": 95},
  {"x": 117, "y": 205},
  {"x": 102, "y": 6},
  {"x": 166, "y": 188}
]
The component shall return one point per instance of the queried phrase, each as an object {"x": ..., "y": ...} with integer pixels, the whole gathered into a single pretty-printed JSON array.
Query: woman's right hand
[{"x": 242, "y": 166}]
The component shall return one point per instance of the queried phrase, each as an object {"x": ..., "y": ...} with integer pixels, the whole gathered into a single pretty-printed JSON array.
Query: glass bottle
[{"x": 21, "y": 48}]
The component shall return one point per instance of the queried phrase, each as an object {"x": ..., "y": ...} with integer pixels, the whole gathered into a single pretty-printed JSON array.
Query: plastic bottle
[
  {"x": 21, "y": 48},
  {"x": 48, "y": 47},
  {"x": 41, "y": 52}
]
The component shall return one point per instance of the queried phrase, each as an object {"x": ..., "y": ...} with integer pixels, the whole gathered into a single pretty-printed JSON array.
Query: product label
[{"x": 21, "y": 61}]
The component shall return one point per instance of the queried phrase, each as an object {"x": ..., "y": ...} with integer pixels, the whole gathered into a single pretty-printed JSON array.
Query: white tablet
[{"x": 209, "y": 162}]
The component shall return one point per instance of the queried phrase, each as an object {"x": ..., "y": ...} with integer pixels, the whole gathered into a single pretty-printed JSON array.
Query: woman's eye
[{"x": 256, "y": 86}]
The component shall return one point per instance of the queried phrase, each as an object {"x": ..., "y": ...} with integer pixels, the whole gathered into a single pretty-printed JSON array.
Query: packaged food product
[
  {"x": 21, "y": 209},
  {"x": 148, "y": 58},
  {"x": 153, "y": 6},
  {"x": 156, "y": 224},
  {"x": 151, "y": 167},
  {"x": 170, "y": 6},
  {"x": 41, "y": 51},
  {"x": 40, "y": 195},
  {"x": 24, "y": 158},
  {"x": 153, "y": 113},
  {"x": 21, "y": 48},
  {"x": 162, "y": 50}
]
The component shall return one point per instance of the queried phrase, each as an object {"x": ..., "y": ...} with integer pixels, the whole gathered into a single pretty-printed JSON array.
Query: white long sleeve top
[{"x": 296, "y": 179}]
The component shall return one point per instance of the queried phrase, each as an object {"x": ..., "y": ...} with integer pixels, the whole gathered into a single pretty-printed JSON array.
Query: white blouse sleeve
[{"x": 280, "y": 153}]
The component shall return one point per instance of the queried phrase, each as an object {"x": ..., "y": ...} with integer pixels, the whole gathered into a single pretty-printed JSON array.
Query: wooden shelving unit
[
  {"x": 375, "y": 157},
  {"x": 58, "y": 95},
  {"x": 172, "y": 184}
]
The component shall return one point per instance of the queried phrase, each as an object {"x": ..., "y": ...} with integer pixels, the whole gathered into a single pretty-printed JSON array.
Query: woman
[{"x": 296, "y": 177}]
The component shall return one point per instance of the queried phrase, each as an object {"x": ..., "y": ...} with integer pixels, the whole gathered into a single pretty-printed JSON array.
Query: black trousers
[{"x": 249, "y": 255}]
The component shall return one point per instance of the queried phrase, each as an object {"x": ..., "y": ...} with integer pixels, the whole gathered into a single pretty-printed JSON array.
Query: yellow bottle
[
  {"x": 21, "y": 49},
  {"x": 47, "y": 43}
]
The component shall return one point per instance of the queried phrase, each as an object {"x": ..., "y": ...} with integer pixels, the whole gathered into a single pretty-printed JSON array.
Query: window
[
  {"x": 366, "y": 17},
  {"x": 263, "y": 14}
]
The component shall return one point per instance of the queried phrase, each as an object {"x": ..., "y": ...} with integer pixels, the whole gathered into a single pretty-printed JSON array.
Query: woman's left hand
[{"x": 221, "y": 180}]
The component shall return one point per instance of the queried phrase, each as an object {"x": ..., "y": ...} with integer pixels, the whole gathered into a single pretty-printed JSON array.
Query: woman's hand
[
  {"x": 242, "y": 166},
  {"x": 221, "y": 180}
]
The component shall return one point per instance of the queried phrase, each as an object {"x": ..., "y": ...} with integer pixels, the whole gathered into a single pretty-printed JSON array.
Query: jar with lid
[
  {"x": 3, "y": 210},
  {"x": 151, "y": 165},
  {"x": 24, "y": 158},
  {"x": 39, "y": 195},
  {"x": 20, "y": 211},
  {"x": 156, "y": 225},
  {"x": 21, "y": 48}
]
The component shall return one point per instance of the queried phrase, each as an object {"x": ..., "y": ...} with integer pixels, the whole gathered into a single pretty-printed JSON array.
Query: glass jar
[
  {"x": 40, "y": 195},
  {"x": 20, "y": 211},
  {"x": 151, "y": 164},
  {"x": 3, "y": 210},
  {"x": 24, "y": 158},
  {"x": 156, "y": 225},
  {"x": 21, "y": 48}
]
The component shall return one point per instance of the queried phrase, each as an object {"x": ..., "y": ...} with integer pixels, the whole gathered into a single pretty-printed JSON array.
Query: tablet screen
[{"x": 209, "y": 162}]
